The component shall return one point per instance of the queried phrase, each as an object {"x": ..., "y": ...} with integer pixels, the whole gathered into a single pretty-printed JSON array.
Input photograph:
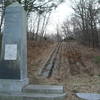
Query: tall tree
[{"x": 86, "y": 11}]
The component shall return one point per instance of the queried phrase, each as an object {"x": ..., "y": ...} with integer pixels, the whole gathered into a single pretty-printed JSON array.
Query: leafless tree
[
  {"x": 86, "y": 11},
  {"x": 67, "y": 28},
  {"x": 58, "y": 33}
]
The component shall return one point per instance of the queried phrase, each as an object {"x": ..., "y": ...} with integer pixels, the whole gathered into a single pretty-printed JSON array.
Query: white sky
[{"x": 59, "y": 15}]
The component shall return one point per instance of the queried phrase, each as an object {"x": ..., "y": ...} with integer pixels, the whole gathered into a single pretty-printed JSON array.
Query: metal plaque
[{"x": 10, "y": 52}]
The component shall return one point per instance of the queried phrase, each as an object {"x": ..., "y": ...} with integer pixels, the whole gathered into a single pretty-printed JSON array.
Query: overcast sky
[{"x": 59, "y": 15}]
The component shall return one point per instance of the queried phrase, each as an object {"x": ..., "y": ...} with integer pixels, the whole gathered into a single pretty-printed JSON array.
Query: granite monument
[{"x": 13, "y": 64}]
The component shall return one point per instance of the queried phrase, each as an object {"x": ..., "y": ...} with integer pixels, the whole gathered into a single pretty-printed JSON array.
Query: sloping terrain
[{"x": 75, "y": 66}]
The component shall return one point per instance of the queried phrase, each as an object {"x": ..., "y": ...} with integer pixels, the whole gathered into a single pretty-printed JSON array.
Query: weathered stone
[
  {"x": 47, "y": 89},
  {"x": 30, "y": 96},
  {"x": 88, "y": 96},
  {"x": 13, "y": 64}
]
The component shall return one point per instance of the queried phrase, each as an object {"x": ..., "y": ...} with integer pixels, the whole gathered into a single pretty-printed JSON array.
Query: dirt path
[{"x": 73, "y": 67}]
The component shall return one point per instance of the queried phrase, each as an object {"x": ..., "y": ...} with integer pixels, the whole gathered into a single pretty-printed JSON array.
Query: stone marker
[
  {"x": 88, "y": 96},
  {"x": 13, "y": 64}
]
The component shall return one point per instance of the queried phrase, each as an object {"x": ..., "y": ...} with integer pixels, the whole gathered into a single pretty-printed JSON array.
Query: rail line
[
  {"x": 49, "y": 66},
  {"x": 66, "y": 59}
]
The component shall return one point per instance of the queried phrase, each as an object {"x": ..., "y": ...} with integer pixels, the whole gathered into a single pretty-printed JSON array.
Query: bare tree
[
  {"x": 58, "y": 34},
  {"x": 86, "y": 11},
  {"x": 67, "y": 28}
]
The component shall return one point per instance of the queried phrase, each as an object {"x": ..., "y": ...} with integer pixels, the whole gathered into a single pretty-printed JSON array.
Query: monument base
[
  {"x": 30, "y": 96},
  {"x": 7, "y": 85},
  {"x": 35, "y": 92}
]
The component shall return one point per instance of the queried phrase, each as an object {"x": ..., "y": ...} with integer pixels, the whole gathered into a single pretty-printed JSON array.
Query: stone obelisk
[{"x": 13, "y": 64}]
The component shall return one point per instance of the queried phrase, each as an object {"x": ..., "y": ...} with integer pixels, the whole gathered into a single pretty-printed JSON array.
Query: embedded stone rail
[
  {"x": 48, "y": 68},
  {"x": 46, "y": 60},
  {"x": 57, "y": 62}
]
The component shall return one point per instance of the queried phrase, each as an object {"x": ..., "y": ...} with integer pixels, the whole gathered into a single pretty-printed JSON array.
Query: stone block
[
  {"x": 88, "y": 96},
  {"x": 47, "y": 89},
  {"x": 30, "y": 96}
]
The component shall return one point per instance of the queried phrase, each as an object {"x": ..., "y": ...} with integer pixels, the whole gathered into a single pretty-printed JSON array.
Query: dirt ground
[{"x": 79, "y": 67}]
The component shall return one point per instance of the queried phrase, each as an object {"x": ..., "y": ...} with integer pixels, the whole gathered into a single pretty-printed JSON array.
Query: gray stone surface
[
  {"x": 1, "y": 1},
  {"x": 47, "y": 89},
  {"x": 88, "y": 96},
  {"x": 31, "y": 96},
  {"x": 13, "y": 71},
  {"x": 12, "y": 85}
]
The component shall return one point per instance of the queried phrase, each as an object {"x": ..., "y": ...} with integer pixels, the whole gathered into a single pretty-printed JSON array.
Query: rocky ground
[{"x": 77, "y": 67}]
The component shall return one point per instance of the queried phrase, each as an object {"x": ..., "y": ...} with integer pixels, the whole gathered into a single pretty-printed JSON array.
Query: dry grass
[{"x": 87, "y": 80}]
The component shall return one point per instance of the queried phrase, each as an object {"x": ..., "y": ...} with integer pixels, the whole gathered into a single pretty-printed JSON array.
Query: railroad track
[
  {"x": 57, "y": 65},
  {"x": 50, "y": 64},
  {"x": 65, "y": 58}
]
